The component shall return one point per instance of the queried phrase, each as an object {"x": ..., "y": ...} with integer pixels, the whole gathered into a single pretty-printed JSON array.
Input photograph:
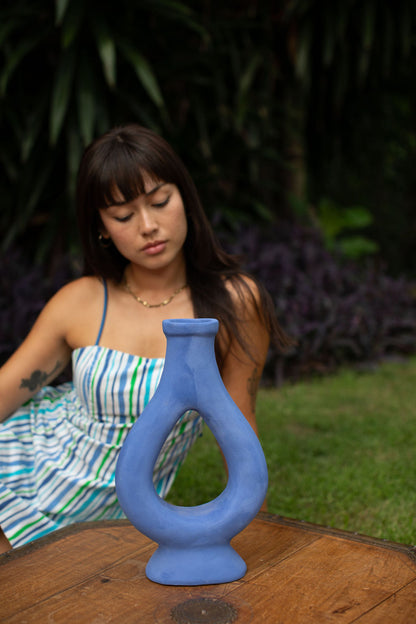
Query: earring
[{"x": 104, "y": 242}]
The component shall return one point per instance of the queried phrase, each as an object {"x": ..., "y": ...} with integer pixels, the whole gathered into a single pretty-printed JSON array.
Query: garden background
[{"x": 296, "y": 119}]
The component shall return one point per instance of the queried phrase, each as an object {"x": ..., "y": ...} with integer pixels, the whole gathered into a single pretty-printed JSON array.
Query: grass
[{"x": 341, "y": 452}]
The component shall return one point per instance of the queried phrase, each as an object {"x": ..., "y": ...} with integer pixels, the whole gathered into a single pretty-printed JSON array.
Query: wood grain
[{"x": 297, "y": 574}]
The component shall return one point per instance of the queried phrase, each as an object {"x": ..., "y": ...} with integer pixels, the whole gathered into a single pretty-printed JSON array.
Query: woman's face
[{"x": 150, "y": 230}]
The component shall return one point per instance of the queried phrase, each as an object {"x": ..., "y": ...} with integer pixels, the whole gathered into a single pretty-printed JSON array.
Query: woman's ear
[
  {"x": 102, "y": 230},
  {"x": 104, "y": 238},
  {"x": 103, "y": 234}
]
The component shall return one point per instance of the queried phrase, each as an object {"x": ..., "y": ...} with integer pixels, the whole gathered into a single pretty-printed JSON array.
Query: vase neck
[{"x": 190, "y": 341}]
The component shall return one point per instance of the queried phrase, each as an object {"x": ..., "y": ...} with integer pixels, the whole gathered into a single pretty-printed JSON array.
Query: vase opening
[{"x": 188, "y": 327}]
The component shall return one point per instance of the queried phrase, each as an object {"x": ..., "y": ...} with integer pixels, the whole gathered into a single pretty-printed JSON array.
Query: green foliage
[
  {"x": 63, "y": 74},
  {"x": 353, "y": 66},
  {"x": 228, "y": 118},
  {"x": 343, "y": 229},
  {"x": 347, "y": 43},
  {"x": 339, "y": 450},
  {"x": 72, "y": 70},
  {"x": 378, "y": 172},
  {"x": 255, "y": 98}
]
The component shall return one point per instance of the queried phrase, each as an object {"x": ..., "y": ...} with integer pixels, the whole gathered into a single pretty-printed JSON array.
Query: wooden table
[{"x": 297, "y": 574}]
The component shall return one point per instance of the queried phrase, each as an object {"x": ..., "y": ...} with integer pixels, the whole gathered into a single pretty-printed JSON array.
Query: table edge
[{"x": 406, "y": 549}]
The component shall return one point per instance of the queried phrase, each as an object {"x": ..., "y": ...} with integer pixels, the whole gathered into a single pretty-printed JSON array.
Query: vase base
[{"x": 199, "y": 565}]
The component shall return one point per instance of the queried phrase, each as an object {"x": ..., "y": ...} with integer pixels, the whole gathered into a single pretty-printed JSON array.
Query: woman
[{"x": 150, "y": 254}]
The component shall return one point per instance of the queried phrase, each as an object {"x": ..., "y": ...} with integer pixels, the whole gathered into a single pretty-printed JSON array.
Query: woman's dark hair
[{"x": 119, "y": 161}]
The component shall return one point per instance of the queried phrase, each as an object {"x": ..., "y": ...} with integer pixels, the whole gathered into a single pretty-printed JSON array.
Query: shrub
[
  {"x": 339, "y": 312},
  {"x": 25, "y": 287}
]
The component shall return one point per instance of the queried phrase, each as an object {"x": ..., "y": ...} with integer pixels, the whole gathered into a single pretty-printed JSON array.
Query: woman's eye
[
  {"x": 123, "y": 219},
  {"x": 162, "y": 203}
]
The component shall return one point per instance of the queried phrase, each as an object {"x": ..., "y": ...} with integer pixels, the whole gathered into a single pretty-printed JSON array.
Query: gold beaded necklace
[{"x": 146, "y": 304}]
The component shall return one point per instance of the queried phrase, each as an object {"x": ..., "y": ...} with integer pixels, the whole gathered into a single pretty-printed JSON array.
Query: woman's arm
[
  {"x": 42, "y": 356},
  {"x": 242, "y": 368}
]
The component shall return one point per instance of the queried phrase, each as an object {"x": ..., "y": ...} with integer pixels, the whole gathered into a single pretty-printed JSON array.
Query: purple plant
[
  {"x": 24, "y": 290},
  {"x": 338, "y": 311}
]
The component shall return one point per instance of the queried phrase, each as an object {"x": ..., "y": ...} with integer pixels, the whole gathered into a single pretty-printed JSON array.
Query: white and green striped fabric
[{"x": 58, "y": 453}]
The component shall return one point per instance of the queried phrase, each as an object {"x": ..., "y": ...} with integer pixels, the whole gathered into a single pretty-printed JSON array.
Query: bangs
[{"x": 122, "y": 172}]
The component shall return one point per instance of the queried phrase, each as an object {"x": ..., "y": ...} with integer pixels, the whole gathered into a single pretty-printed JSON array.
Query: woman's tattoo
[
  {"x": 38, "y": 378},
  {"x": 252, "y": 386}
]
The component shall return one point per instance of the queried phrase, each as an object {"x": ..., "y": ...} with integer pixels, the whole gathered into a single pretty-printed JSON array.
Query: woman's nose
[{"x": 148, "y": 224}]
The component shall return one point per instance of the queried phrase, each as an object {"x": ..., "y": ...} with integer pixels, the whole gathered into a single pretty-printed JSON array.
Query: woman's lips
[{"x": 154, "y": 248}]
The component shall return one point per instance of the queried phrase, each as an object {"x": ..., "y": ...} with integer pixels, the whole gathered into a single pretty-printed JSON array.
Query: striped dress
[{"x": 58, "y": 453}]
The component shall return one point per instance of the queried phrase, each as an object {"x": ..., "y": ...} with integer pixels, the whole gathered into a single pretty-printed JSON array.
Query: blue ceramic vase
[{"x": 194, "y": 542}]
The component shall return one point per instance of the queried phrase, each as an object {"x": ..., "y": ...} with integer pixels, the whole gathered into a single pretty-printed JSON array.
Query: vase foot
[{"x": 199, "y": 565}]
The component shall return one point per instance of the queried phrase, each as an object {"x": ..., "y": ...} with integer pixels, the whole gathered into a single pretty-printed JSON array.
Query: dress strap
[{"x": 100, "y": 331}]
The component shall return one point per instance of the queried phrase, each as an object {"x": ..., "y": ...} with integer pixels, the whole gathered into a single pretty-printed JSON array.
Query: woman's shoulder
[
  {"x": 73, "y": 311},
  {"x": 245, "y": 295},
  {"x": 243, "y": 289},
  {"x": 74, "y": 298},
  {"x": 80, "y": 288}
]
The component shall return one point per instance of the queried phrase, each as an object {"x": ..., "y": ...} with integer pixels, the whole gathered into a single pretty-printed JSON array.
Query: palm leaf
[
  {"x": 143, "y": 71},
  {"x": 106, "y": 50},
  {"x": 60, "y": 10},
  {"x": 74, "y": 154},
  {"x": 18, "y": 53},
  {"x": 33, "y": 127},
  {"x": 72, "y": 22},
  {"x": 86, "y": 101},
  {"x": 61, "y": 94}
]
